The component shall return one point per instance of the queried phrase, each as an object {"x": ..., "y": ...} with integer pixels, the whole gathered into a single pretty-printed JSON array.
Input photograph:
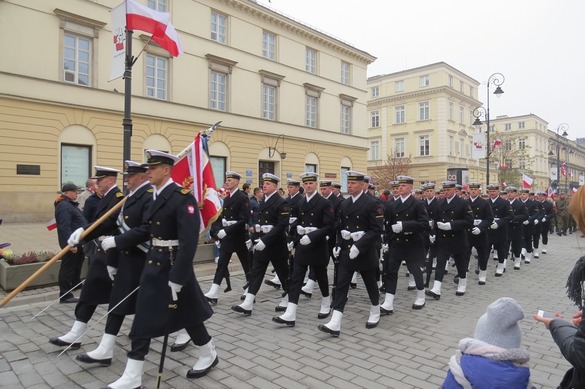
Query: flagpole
[{"x": 127, "y": 120}]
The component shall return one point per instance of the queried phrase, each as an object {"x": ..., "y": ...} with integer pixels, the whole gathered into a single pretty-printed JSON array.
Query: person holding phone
[{"x": 570, "y": 336}]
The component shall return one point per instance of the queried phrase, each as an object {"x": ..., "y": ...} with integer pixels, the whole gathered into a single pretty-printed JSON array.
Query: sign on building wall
[{"x": 478, "y": 146}]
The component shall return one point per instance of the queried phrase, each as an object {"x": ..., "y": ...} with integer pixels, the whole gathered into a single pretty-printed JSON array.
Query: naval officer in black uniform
[
  {"x": 98, "y": 284},
  {"x": 124, "y": 266},
  {"x": 359, "y": 238},
  {"x": 478, "y": 235},
  {"x": 172, "y": 224}
]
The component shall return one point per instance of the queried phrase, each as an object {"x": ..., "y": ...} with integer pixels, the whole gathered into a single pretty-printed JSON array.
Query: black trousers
[
  {"x": 69, "y": 272},
  {"x": 344, "y": 278},
  {"x": 545, "y": 229},
  {"x": 414, "y": 256},
  {"x": 259, "y": 270},
  {"x": 480, "y": 242},
  {"x": 444, "y": 251},
  {"x": 225, "y": 255},
  {"x": 516, "y": 245},
  {"x": 140, "y": 346},
  {"x": 84, "y": 311},
  {"x": 114, "y": 323},
  {"x": 298, "y": 276}
]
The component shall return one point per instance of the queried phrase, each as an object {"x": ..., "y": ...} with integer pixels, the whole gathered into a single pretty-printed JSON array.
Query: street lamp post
[
  {"x": 564, "y": 127},
  {"x": 497, "y": 79}
]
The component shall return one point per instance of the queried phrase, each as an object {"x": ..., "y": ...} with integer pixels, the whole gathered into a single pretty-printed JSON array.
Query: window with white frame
[
  {"x": 311, "y": 60},
  {"x": 156, "y": 76},
  {"x": 218, "y": 84},
  {"x": 399, "y": 144},
  {"x": 345, "y": 73},
  {"x": 522, "y": 143},
  {"x": 158, "y": 5},
  {"x": 219, "y": 27},
  {"x": 451, "y": 145},
  {"x": 269, "y": 45},
  {"x": 312, "y": 96},
  {"x": 375, "y": 91},
  {"x": 451, "y": 81},
  {"x": 77, "y": 59},
  {"x": 424, "y": 110},
  {"x": 399, "y": 114},
  {"x": 399, "y": 86},
  {"x": 375, "y": 150},
  {"x": 75, "y": 163},
  {"x": 461, "y": 115},
  {"x": 521, "y": 163},
  {"x": 268, "y": 101},
  {"x": 343, "y": 177},
  {"x": 424, "y": 80},
  {"x": 521, "y": 125},
  {"x": 346, "y": 113},
  {"x": 374, "y": 119},
  {"x": 508, "y": 145},
  {"x": 424, "y": 145},
  {"x": 462, "y": 147},
  {"x": 450, "y": 110}
]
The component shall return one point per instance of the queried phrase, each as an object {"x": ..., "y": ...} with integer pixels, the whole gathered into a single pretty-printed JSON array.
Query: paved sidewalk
[{"x": 409, "y": 349}]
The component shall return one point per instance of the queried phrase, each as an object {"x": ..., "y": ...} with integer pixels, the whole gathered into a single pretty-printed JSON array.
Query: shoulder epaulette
[
  {"x": 185, "y": 191},
  {"x": 150, "y": 190},
  {"x": 119, "y": 194}
]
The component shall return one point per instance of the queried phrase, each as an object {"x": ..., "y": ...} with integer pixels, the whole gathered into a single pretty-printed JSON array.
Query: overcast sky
[{"x": 538, "y": 45}]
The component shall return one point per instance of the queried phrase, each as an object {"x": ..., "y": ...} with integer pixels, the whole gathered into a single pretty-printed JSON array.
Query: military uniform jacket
[
  {"x": 316, "y": 213},
  {"x": 459, "y": 214},
  {"x": 503, "y": 215},
  {"x": 336, "y": 202},
  {"x": 274, "y": 212},
  {"x": 173, "y": 215},
  {"x": 515, "y": 227},
  {"x": 98, "y": 285},
  {"x": 363, "y": 215},
  {"x": 129, "y": 261},
  {"x": 534, "y": 213},
  {"x": 293, "y": 203},
  {"x": 236, "y": 208},
  {"x": 547, "y": 210},
  {"x": 562, "y": 205},
  {"x": 483, "y": 216},
  {"x": 414, "y": 218}
]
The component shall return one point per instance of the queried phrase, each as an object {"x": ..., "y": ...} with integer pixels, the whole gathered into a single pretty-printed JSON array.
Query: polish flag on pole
[
  {"x": 193, "y": 171},
  {"x": 550, "y": 192},
  {"x": 564, "y": 169},
  {"x": 140, "y": 17},
  {"x": 497, "y": 143},
  {"x": 526, "y": 181}
]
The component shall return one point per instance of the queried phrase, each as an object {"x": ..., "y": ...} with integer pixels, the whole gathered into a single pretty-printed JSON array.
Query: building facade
[
  {"x": 290, "y": 98},
  {"x": 424, "y": 115}
]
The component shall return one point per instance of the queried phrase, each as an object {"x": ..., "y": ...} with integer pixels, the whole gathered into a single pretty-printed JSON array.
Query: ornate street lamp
[{"x": 497, "y": 79}]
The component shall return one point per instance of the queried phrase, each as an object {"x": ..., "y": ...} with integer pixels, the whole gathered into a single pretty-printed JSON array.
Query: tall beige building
[
  {"x": 424, "y": 113},
  {"x": 291, "y": 98}
]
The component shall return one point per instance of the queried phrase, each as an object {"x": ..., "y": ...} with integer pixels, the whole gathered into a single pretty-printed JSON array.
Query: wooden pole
[{"x": 61, "y": 253}]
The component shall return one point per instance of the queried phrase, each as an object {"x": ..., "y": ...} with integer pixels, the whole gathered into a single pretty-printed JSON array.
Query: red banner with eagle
[{"x": 193, "y": 171}]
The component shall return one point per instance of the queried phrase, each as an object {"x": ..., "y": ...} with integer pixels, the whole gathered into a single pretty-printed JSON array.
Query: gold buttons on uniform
[{"x": 150, "y": 262}]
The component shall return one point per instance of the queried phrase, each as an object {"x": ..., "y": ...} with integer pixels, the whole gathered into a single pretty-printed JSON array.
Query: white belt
[
  {"x": 266, "y": 228},
  {"x": 305, "y": 230},
  {"x": 165, "y": 243},
  {"x": 352, "y": 235},
  {"x": 226, "y": 223}
]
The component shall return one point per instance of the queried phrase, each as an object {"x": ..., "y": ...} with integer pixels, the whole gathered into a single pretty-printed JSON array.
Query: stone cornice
[
  {"x": 264, "y": 13},
  {"x": 71, "y": 17},
  {"x": 427, "y": 92}
]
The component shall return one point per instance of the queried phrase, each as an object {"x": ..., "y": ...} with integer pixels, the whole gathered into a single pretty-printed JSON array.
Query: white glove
[
  {"x": 353, "y": 252},
  {"x": 535, "y": 221},
  {"x": 444, "y": 226},
  {"x": 336, "y": 251},
  {"x": 431, "y": 223},
  {"x": 494, "y": 226},
  {"x": 224, "y": 222},
  {"x": 112, "y": 272},
  {"x": 525, "y": 222},
  {"x": 397, "y": 228},
  {"x": 259, "y": 245},
  {"x": 108, "y": 243},
  {"x": 257, "y": 227},
  {"x": 75, "y": 237},
  {"x": 300, "y": 230},
  {"x": 175, "y": 289},
  {"x": 476, "y": 231},
  {"x": 544, "y": 219},
  {"x": 249, "y": 244},
  {"x": 290, "y": 246},
  {"x": 357, "y": 235},
  {"x": 384, "y": 248},
  {"x": 432, "y": 238},
  {"x": 305, "y": 240},
  {"x": 221, "y": 234},
  {"x": 345, "y": 234}
]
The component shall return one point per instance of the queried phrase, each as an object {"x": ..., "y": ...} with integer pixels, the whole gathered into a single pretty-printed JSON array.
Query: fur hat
[{"x": 499, "y": 325}]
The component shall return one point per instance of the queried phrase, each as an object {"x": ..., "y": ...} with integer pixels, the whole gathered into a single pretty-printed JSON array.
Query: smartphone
[{"x": 545, "y": 314}]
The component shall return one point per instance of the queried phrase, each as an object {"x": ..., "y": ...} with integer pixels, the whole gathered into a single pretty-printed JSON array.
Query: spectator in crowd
[{"x": 87, "y": 193}]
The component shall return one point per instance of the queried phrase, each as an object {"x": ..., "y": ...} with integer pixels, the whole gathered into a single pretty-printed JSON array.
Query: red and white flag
[
  {"x": 140, "y": 17},
  {"x": 550, "y": 192},
  {"x": 526, "y": 181},
  {"x": 193, "y": 171},
  {"x": 51, "y": 225},
  {"x": 497, "y": 143},
  {"x": 574, "y": 190},
  {"x": 564, "y": 169}
]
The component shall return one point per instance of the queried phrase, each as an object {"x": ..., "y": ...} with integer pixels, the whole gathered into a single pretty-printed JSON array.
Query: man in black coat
[
  {"x": 68, "y": 218},
  {"x": 359, "y": 236},
  {"x": 124, "y": 266},
  {"x": 478, "y": 235},
  {"x": 172, "y": 224},
  {"x": 516, "y": 225},
  {"x": 531, "y": 225},
  {"x": 430, "y": 202},
  {"x": 406, "y": 219},
  {"x": 547, "y": 219},
  {"x": 270, "y": 241},
  {"x": 498, "y": 232},
  {"x": 315, "y": 221},
  {"x": 452, "y": 220},
  {"x": 98, "y": 284},
  {"x": 230, "y": 230}
]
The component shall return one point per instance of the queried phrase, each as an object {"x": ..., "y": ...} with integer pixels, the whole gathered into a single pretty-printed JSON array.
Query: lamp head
[
  {"x": 565, "y": 133},
  {"x": 498, "y": 92},
  {"x": 282, "y": 155}
]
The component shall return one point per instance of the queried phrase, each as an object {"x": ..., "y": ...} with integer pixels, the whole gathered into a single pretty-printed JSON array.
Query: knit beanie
[{"x": 499, "y": 325}]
